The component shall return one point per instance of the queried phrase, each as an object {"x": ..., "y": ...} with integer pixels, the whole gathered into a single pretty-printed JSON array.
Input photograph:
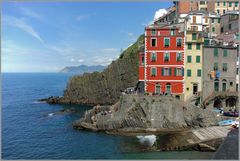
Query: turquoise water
[{"x": 29, "y": 132}]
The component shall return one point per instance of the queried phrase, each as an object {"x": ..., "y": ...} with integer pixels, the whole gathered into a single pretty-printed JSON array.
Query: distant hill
[{"x": 83, "y": 69}]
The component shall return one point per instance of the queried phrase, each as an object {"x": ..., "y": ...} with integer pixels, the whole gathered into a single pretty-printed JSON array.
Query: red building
[{"x": 161, "y": 65}]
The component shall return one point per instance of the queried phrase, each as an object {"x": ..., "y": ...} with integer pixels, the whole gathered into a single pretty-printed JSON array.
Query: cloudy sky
[{"x": 45, "y": 37}]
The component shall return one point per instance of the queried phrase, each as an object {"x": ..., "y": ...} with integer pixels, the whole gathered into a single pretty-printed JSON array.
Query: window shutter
[
  {"x": 182, "y": 71},
  {"x": 170, "y": 71},
  {"x": 175, "y": 71},
  {"x": 162, "y": 71}
]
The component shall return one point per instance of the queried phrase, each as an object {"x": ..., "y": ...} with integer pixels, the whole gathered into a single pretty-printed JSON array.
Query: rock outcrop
[
  {"x": 103, "y": 87},
  {"x": 146, "y": 114}
]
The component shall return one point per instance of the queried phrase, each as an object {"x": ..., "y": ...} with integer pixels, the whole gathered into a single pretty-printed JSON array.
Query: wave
[{"x": 148, "y": 140}]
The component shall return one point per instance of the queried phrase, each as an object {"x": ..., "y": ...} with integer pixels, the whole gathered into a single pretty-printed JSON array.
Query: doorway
[{"x": 195, "y": 88}]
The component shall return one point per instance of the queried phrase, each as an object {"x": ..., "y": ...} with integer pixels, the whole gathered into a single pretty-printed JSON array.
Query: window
[
  {"x": 225, "y": 53},
  {"x": 218, "y": 11},
  {"x": 189, "y": 58},
  {"x": 168, "y": 88},
  {"x": 202, "y": 2},
  {"x": 166, "y": 42},
  {"x": 213, "y": 20},
  {"x": 224, "y": 3},
  {"x": 224, "y": 11},
  {"x": 189, "y": 46},
  {"x": 230, "y": 4},
  {"x": 199, "y": 72},
  {"x": 153, "y": 32},
  {"x": 215, "y": 52},
  {"x": 216, "y": 86},
  {"x": 153, "y": 57},
  {"x": 154, "y": 42},
  {"x": 166, "y": 72},
  {"x": 189, "y": 72},
  {"x": 236, "y": 4},
  {"x": 215, "y": 67},
  {"x": 231, "y": 84},
  {"x": 153, "y": 72},
  {"x": 194, "y": 36},
  {"x": 166, "y": 57},
  {"x": 224, "y": 67},
  {"x": 213, "y": 29},
  {"x": 197, "y": 59},
  {"x": 230, "y": 26},
  {"x": 143, "y": 60},
  {"x": 206, "y": 41},
  {"x": 179, "y": 57},
  {"x": 179, "y": 42},
  {"x": 178, "y": 71},
  {"x": 198, "y": 46},
  {"x": 172, "y": 32},
  {"x": 219, "y": 20},
  {"x": 157, "y": 88},
  {"x": 218, "y": 3}
]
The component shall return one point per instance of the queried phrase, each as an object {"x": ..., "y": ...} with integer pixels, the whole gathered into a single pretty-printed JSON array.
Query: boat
[
  {"x": 232, "y": 114},
  {"x": 226, "y": 122}
]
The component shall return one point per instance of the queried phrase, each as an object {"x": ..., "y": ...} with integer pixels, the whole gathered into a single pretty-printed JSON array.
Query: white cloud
[
  {"x": 30, "y": 13},
  {"x": 80, "y": 60},
  {"x": 72, "y": 60},
  {"x": 159, "y": 13},
  {"x": 103, "y": 61},
  {"x": 84, "y": 16},
  {"x": 21, "y": 24}
]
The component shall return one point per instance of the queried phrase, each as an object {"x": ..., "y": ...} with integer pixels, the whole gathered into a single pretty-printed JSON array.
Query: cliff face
[
  {"x": 141, "y": 113},
  {"x": 105, "y": 87}
]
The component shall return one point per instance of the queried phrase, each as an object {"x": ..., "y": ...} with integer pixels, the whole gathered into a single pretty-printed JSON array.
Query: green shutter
[
  {"x": 236, "y": 4},
  {"x": 154, "y": 71},
  {"x": 194, "y": 36},
  {"x": 213, "y": 20},
  {"x": 175, "y": 71},
  {"x": 166, "y": 42},
  {"x": 215, "y": 66},
  {"x": 153, "y": 32},
  {"x": 219, "y": 20},
  {"x": 189, "y": 59},
  {"x": 198, "y": 46},
  {"x": 170, "y": 71},
  {"x": 213, "y": 29},
  {"x": 224, "y": 67},
  {"x": 162, "y": 71},
  {"x": 199, "y": 72},
  {"x": 230, "y": 4},
  {"x": 225, "y": 53},
  {"x": 197, "y": 59},
  {"x": 206, "y": 41},
  {"x": 215, "y": 52},
  {"x": 182, "y": 71},
  {"x": 189, "y": 46},
  {"x": 189, "y": 72},
  {"x": 224, "y": 3}
]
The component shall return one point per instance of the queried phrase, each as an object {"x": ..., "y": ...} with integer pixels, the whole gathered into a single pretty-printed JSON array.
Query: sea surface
[{"x": 33, "y": 130}]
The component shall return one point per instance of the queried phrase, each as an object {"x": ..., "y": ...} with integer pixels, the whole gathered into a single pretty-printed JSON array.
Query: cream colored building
[{"x": 193, "y": 64}]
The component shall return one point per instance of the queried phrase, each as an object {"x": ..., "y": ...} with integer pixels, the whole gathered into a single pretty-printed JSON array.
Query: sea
[{"x": 36, "y": 130}]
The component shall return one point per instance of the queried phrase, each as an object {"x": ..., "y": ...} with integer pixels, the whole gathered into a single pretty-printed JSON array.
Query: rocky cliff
[
  {"x": 103, "y": 87},
  {"x": 136, "y": 114}
]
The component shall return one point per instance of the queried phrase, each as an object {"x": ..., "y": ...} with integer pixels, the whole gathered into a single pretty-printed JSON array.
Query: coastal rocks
[{"x": 135, "y": 114}]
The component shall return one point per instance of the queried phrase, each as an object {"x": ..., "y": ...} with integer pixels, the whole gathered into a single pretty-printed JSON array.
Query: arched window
[
  {"x": 216, "y": 85},
  {"x": 168, "y": 88},
  {"x": 224, "y": 85}
]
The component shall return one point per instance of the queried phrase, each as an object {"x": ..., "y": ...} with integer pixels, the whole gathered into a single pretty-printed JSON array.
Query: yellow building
[
  {"x": 221, "y": 7},
  {"x": 193, "y": 64}
]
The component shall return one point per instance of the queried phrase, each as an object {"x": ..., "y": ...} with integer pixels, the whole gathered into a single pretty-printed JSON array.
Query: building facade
[
  {"x": 193, "y": 63},
  {"x": 219, "y": 69},
  {"x": 230, "y": 22},
  {"x": 162, "y": 64},
  {"x": 222, "y": 7}
]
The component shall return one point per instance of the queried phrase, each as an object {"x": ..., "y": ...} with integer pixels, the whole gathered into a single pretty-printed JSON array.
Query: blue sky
[{"x": 47, "y": 36}]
